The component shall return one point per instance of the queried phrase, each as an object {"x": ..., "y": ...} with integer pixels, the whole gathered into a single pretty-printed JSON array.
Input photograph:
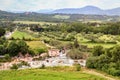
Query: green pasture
[
  {"x": 34, "y": 22},
  {"x": 36, "y": 44},
  {"x": 43, "y": 74},
  {"x": 105, "y": 45},
  {"x": 61, "y": 16},
  {"x": 20, "y": 35}
]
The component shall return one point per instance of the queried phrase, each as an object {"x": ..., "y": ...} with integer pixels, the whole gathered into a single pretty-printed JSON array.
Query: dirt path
[
  {"x": 90, "y": 71},
  {"x": 9, "y": 34},
  {"x": 48, "y": 45}
]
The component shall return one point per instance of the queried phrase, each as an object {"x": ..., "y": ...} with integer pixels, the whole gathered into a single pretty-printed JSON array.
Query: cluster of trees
[
  {"x": 36, "y": 27},
  {"x": 107, "y": 60},
  {"x": 77, "y": 51},
  {"x": 8, "y": 25},
  {"x": 101, "y": 38},
  {"x": 2, "y": 31},
  {"x": 13, "y": 48},
  {"x": 108, "y": 28}
]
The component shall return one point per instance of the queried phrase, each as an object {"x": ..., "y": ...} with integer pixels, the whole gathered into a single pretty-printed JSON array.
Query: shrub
[
  {"x": 42, "y": 67},
  {"x": 41, "y": 50},
  {"x": 98, "y": 50},
  {"x": 78, "y": 67},
  {"x": 54, "y": 42},
  {"x": 91, "y": 62},
  {"x": 14, "y": 66},
  {"x": 107, "y": 60},
  {"x": 25, "y": 63},
  {"x": 7, "y": 57},
  {"x": 114, "y": 72},
  {"x": 75, "y": 54}
]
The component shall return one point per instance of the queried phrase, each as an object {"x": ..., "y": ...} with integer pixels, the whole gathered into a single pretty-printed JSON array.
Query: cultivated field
[
  {"x": 105, "y": 45},
  {"x": 20, "y": 35},
  {"x": 36, "y": 44},
  {"x": 61, "y": 17},
  {"x": 34, "y": 22}
]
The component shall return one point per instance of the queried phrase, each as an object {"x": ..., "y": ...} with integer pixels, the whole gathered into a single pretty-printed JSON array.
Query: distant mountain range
[
  {"x": 45, "y": 11},
  {"x": 66, "y": 15},
  {"x": 84, "y": 10},
  {"x": 89, "y": 10}
]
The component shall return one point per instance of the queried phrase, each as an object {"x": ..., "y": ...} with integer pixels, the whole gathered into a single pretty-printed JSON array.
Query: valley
[{"x": 62, "y": 43}]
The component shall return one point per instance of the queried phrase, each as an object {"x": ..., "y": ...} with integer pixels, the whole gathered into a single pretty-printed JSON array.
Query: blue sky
[{"x": 34, "y": 5}]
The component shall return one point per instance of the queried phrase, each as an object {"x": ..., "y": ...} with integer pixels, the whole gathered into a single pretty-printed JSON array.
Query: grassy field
[
  {"x": 105, "y": 45},
  {"x": 34, "y": 22},
  {"x": 20, "y": 35},
  {"x": 39, "y": 74},
  {"x": 61, "y": 17},
  {"x": 107, "y": 38},
  {"x": 36, "y": 44}
]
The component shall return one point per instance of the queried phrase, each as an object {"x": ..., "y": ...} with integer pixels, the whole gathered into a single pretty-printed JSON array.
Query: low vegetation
[
  {"x": 40, "y": 74},
  {"x": 99, "y": 43},
  {"x": 21, "y": 35},
  {"x": 107, "y": 60}
]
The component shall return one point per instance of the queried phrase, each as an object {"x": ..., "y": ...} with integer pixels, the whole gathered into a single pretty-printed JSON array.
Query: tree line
[
  {"x": 107, "y": 60},
  {"x": 108, "y": 28}
]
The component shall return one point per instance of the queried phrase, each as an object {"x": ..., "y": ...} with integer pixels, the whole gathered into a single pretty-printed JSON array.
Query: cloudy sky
[{"x": 34, "y": 5}]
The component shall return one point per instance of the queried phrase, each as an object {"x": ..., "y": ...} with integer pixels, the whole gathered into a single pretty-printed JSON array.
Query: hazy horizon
[{"x": 34, "y": 5}]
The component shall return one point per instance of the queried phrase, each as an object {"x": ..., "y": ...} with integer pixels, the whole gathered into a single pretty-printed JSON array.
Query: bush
[
  {"x": 78, "y": 67},
  {"x": 75, "y": 54},
  {"x": 107, "y": 60},
  {"x": 7, "y": 57},
  {"x": 91, "y": 62},
  {"x": 41, "y": 50},
  {"x": 25, "y": 63},
  {"x": 14, "y": 66},
  {"x": 42, "y": 67},
  {"x": 54, "y": 42},
  {"x": 114, "y": 72},
  {"x": 98, "y": 50}
]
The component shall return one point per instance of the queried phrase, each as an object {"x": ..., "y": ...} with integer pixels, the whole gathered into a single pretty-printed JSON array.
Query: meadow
[
  {"x": 61, "y": 17},
  {"x": 43, "y": 74},
  {"x": 49, "y": 36},
  {"x": 105, "y": 45},
  {"x": 34, "y": 22},
  {"x": 20, "y": 35}
]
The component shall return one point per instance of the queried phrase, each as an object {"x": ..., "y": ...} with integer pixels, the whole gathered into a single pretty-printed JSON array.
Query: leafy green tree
[
  {"x": 116, "y": 53},
  {"x": 75, "y": 54},
  {"x": 2, "y": 31},
  {"x": 1, "y": 50},
  {"x": 14, "y": 67},
  {"x": 97, "y": 51},
  {"x": 13, "y": 48},
  {"x": 76, "y": 44},
  {"x": 22, "y": 47},
  {"x": 91, "y": 61},
  {"x": 78, "y": 67}
]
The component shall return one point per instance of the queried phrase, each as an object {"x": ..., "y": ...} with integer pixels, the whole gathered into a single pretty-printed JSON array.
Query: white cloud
[{"x": 28, "y": 5}]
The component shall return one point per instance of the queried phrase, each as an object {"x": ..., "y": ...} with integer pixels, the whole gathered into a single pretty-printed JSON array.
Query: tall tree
[{"x": 2, "y": 32}]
